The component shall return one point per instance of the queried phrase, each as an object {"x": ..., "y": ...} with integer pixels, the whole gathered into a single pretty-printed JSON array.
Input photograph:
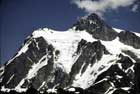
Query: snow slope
[{"x": 67, "y": 42}]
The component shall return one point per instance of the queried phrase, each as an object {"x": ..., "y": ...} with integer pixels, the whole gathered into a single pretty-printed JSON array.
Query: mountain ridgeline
[{"x": 89, "y": 58}]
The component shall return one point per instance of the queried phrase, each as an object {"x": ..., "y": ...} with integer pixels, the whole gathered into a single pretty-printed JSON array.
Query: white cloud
[
  {"x": 101, "y": 6},
  {"x": 135, "y": 8}
]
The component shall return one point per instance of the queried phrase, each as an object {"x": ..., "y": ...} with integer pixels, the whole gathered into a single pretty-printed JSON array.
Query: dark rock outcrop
[
  {"x": 115, "y": 79},
  {"x": 137, "y": 78},
  {"x": 89, "y": 53},
  {"x": 20, "y": 65},
  {"x": 100, "y": 30},
  {"x": 129, "y": 38},
  {"x": 97, "y": 27}
]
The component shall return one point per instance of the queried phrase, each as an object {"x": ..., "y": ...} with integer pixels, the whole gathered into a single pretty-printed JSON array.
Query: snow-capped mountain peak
[{"x": 91, "y": 56}]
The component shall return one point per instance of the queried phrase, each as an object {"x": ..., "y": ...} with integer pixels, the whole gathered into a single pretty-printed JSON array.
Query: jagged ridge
[{"x": 91, "y": 55}]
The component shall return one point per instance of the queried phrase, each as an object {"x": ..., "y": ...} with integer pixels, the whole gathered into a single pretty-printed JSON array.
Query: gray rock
[
  {"x": 96, "y": 27},
  {"x": 89, "y": 53},
  {"x": 129, "y": 38}
]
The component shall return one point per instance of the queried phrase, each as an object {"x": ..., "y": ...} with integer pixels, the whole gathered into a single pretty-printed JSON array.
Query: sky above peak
[
  {"x": 19, "y": 18},
  {"x": 100, "y": 7}
]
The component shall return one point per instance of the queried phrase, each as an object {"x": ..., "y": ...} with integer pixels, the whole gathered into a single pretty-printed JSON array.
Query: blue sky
[{"x": 18, "y": 19}]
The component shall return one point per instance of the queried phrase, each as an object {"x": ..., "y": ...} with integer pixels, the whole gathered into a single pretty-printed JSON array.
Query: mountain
[{"x": 89, "y": 58}]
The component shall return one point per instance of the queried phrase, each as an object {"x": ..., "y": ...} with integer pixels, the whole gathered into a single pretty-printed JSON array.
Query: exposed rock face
[
  {"x": 137, "y": 80},
  {"x": 90, "y": 53},
  {"x": 115, "y": 79},
  {"x": 100, "y": 30},
  {"x": 97, "y": 27},
  {"x": 94, "y": 68},
  {"x": 19, "y": 66},
  {"x": 129, "y": 38}
]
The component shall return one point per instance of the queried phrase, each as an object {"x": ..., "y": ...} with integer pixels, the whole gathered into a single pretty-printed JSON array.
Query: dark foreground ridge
[{"x": 61, "y": 91}]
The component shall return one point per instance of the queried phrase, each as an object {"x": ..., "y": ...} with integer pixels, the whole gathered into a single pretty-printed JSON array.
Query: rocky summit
[{"x": 91, "y": 57}]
